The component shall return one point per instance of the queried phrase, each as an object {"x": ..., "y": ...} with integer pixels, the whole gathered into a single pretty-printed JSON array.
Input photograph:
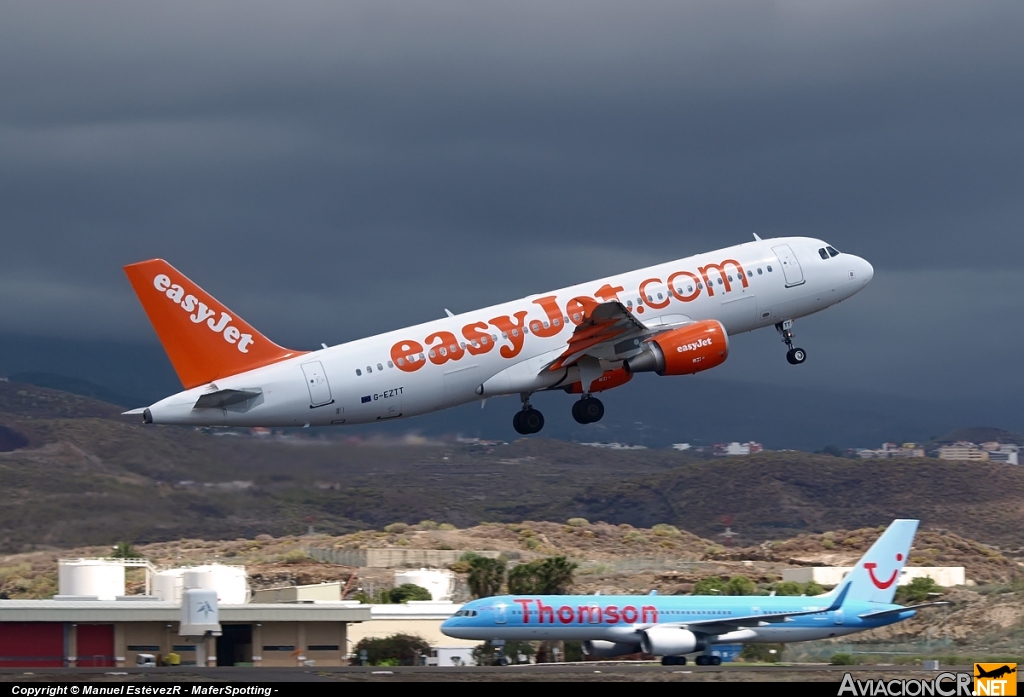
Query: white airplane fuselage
[{"x": 503, "y": 349}]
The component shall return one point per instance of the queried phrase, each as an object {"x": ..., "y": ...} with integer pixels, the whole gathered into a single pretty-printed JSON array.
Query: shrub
[
  {"x": 409, "y": 591},
  {"x": 740, "y": 585},
  {"x": 427, "y": 525},
  {"x": 579, "y": 522},
  {"x": 395, "y": 650},
  {"x": 842, "y": 659},
  {"x": 396, "y": 528},
  {"x": 665, "y": 530},
  {"x": 788, "y": 588},
  {"x": 708, "y": 586},
  {"x": 918, "y": 590},
  {"x": 446, "y": 526},
  {"x": 762, "y": 653}
]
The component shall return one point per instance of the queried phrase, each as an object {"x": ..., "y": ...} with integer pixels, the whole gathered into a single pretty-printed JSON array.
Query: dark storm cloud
[{"x": 335, "y": 169}]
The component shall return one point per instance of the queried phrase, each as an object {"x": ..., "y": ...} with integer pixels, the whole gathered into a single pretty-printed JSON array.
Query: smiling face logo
[{"x": 871, "y": 566}]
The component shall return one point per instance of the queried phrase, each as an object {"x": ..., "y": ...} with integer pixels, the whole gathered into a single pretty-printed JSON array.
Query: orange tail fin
[{"x": 204, "y": 340}]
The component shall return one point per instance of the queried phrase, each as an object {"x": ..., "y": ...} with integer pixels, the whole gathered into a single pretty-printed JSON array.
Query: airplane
[
  {"x": 673, "y": 626},
  {"x": 671, "y": 319}
]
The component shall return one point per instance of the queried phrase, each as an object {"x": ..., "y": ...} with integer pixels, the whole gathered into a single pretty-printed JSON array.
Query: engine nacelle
[
  {"x": 669, "y": 641},
  {"x": 684, "y": 351},
  {"x": 608, "y": 649}
]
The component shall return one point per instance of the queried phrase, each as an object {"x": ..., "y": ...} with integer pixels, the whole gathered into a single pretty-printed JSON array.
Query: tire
[
  {"x": 532, "y": 421},
  {"x": 715, "y": 660},
  {"x": 517, "y": 424},
  {"x": 592, "y": 409},
  {"x": 672, "y": 661},
  {"x": 577, "y": 413}
]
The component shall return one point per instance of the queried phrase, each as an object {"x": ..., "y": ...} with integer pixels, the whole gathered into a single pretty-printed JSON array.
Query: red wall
[
  {"x": 95, "y": 645},
  {"x": 32, "y": 644}
]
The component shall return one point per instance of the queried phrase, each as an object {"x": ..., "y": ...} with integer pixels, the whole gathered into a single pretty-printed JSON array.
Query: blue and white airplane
[{"x": 673, "y": 626}]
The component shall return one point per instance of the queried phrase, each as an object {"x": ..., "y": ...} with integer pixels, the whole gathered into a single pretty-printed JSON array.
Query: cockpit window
[
  {"x": 822, "y": 253},
  {"x": 832, "y": 251}
]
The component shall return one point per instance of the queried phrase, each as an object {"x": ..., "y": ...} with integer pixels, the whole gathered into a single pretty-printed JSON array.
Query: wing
[
  {"x": 898, "y": 610},
  {"x": 728, "y": 624},
  {"x": 609, "y": 332}
]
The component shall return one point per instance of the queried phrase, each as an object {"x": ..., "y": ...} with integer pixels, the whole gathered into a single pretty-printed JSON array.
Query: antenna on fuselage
[
  {"x": 449, "y": 312},
  {"x": 756, "y": 237}
]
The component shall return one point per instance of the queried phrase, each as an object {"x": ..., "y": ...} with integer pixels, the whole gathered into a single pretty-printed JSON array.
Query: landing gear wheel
[
  {"x": 673, "y": 660},
  {"x": 701, "y": 660},
  {"x": 517, "y": 423},
  {"x": 796, "y": 356},
  {"x": 531, "y": 420},
  {"x": 715, "y": 660},
  {"x": 588, "y": 410}
]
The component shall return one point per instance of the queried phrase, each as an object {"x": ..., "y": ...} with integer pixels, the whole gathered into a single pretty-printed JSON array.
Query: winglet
[{"x": 204, "y": 340}]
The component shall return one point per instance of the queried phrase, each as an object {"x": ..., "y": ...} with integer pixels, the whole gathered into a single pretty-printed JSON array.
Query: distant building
[
  {"x": 963, "y": 450},
  {"x": 735, "y": 448},
  {"x": 681, "y": 446},
  {"x": 890, "y": 450},
  {"x": 616, "y": 446}
]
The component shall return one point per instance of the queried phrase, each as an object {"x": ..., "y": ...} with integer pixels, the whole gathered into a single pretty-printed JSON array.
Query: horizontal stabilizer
[
  {"x": 898, "y": 610},
  {"x": 225, "y": 398},
  {"x": 134, "y": 412}
]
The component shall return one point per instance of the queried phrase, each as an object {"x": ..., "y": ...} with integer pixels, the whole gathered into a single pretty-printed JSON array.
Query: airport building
[{"x": 91, "y": 622}]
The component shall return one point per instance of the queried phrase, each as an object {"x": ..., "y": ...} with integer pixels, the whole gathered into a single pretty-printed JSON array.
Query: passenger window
[
  {"x": 453, "y": 348},
  {"x": 659, "y": 296},
  {"x": 400, "y": 362},
  {"x": 433, "y": 354},
  {"x": 358, "y": 372},
  {"x": 391, "y": 365},
  {"x": 369, "y": 369},
  {"x": 759, "y": 271},
  {"x": 822, "y": 253},
  {"x": 494, "y": 337},
  {"x": 380, "y": 367},
  {"x": 719, "y": 280},
  {"x": 730, "y": 278},
  {"x": 700, "y": 286},
  {"x": 832, "y": 251},
  {"x": 422, "y": 357},
  {"x": 463, "y": 344},
  {"x": 484, "y": 340},
  {"x": 629, "y": 304},
  {"x": 650, "y": 298},
  {"x": 769, "y": 269},
  {"x": 515, "y": 332},
  {"x": 750, "y": 273},
  {"x": 558, "y": 323},
  {"x": 689, "y": 289}
]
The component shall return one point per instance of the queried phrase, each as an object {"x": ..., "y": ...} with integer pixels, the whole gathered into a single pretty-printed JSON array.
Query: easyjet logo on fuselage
[
  {"x": 476, "y": 338},
  {"x": 201, "y": 314}
]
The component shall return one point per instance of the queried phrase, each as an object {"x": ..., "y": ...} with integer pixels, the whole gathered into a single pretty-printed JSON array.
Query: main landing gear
[
  {"x": 588, "y": 410},
  {"x": 673, "y": 660},
  {"x": 795, "y": 356},
  {"x": 529, "y": 420},
  {"x": 704, "y": 660}
]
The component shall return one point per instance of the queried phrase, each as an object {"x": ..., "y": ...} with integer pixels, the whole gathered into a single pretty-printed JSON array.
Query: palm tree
[
  {"x": 555, "y": 575},
  {"x": 485, "y": 576}
]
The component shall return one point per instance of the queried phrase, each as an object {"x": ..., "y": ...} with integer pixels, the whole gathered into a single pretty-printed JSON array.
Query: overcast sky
[{"x": 332, "y": 170}]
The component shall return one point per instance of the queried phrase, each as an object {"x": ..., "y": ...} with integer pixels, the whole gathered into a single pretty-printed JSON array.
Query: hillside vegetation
[{"x": 83, "y": 474}]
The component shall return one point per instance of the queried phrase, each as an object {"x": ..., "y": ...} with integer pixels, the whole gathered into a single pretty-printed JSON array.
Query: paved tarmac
[{"x": 617, "y": 671}]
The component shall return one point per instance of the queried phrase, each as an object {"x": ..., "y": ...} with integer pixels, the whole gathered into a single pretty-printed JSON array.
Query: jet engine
[
  {"x": 683, "y": 351},
  {"x": 608, "y": 649},
  {"x": 669, "y": 641}
]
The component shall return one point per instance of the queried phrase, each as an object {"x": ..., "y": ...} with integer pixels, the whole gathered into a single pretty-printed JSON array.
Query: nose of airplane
[{"x": 866, "y": 270}]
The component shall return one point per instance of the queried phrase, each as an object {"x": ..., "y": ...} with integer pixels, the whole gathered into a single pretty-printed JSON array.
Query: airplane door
[
  {"x": 316, "y": 381},
  {"x": 499, "y": 614},
  {"x": 460, "y": 384},
  {"x": 837, "y": 616},
  {"x": 790, "y": 266}
]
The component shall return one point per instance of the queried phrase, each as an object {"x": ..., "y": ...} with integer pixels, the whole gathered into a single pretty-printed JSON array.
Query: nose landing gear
[
  {"x": 588, "y": 410},
  {"x": 795, "y": 356},
  {"x": 529, "y": 420}
]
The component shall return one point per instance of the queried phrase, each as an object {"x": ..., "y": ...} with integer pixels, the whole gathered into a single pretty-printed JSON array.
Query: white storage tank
[
  {"x": 230, "y": 582},
  {"x": 98, "y": 578},
  {"x": 440, "y": 582}
]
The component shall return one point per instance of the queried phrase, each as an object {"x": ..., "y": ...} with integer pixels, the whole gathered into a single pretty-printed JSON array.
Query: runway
[{"x": 611, "y": 671}]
